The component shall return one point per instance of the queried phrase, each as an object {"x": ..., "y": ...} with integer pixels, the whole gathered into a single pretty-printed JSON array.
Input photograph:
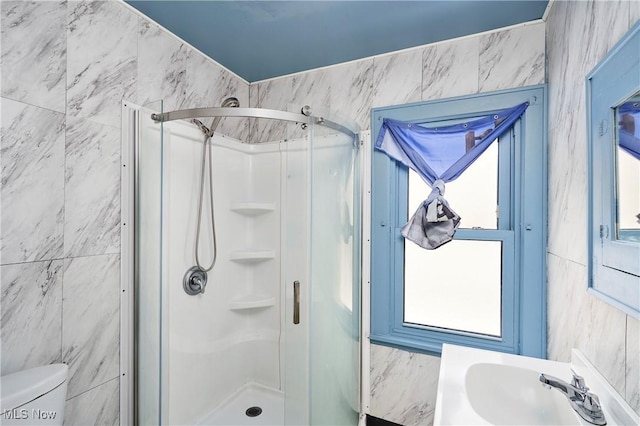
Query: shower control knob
[
  {"x": 198, "y": 284},
  {"x": 194, "y": 281}
]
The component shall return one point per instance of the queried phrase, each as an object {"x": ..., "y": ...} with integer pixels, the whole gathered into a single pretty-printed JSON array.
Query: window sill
[{"x": 409, "y": 340}]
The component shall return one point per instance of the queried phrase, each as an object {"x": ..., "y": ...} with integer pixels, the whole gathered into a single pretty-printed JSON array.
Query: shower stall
[{"x": 270, "y": 334}]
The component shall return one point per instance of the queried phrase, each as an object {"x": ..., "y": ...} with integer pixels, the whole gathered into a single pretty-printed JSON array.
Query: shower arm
[{"x": 251, "y": 113}]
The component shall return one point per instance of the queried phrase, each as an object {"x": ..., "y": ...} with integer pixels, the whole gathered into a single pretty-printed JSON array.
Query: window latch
[{"x": 604, "y": 231}]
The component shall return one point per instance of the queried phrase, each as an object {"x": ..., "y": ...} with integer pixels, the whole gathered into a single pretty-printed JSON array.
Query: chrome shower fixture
[
  {"x": 194, "y": 281},
  {"x": 195, "y": 278},
  {"x": 230, "y": 102},
  {"x": 208, "y": 133}
]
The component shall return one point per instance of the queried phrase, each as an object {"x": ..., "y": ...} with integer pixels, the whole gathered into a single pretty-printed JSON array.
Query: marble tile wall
[
  {"x": 510, "y": 58},
  {"x": 66, "y": 66},
  {"x": 607, "y": 336},
  {"x": 33, "y": 158},
  {"x": 97, "y": 406},
  {"x": 459, "y": 61},
  {"x": 40, "y": 25},
  {"x": 404, "y": 384}
]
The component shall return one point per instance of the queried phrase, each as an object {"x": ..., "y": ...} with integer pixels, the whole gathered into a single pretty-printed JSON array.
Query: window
[{"x": 486, "y": 287}]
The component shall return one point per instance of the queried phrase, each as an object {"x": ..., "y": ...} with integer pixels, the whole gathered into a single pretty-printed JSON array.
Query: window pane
[
  {"x": 474, "y": 195},
  {"x": 457, "y": 286}
]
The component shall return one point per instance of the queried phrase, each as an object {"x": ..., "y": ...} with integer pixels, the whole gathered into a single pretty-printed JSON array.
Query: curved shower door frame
[{"x": 272, "y": 114}]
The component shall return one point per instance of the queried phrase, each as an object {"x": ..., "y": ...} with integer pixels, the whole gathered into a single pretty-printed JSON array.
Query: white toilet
[{"x": 34, "y": 397}]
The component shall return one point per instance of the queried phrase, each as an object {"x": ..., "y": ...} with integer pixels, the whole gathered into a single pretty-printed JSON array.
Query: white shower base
[{"x": 232, "y": 411}]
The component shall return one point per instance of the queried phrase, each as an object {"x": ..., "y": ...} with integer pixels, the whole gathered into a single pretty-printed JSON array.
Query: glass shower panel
[
  {"x": 295, "y": 273},
  {"x": 334, "y": 356},
  {"x": 148, "y": 255},
  {"x": 321, "y": 257}
]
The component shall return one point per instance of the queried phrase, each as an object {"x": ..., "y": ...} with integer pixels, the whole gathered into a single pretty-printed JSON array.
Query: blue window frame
[{"x": 521, "y": 228}]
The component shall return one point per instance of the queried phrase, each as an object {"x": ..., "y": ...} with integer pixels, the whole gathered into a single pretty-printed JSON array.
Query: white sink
[
  {"x": 479, "y": 387},
  {"x": 518, "y": 394}
]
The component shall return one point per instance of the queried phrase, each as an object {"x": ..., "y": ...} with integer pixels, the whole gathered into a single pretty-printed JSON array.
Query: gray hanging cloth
[{"x": 434, "y": 222}]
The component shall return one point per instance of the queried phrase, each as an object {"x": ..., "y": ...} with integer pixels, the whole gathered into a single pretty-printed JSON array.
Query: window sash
[
  {"x": 432, "y": 337},
  {"x": 503, "y": 234},
  {"x": 507, "y": 239}
]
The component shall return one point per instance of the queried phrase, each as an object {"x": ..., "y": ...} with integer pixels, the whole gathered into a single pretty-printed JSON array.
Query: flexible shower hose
[{"x": 206, "y": 145}]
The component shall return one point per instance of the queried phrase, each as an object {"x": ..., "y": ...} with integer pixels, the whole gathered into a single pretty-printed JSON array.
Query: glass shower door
[
  {"x": 295, "y": 184},
  {"x": 321, "y": 255},
  {"x": 148, "y": 273},
  {"x": 334, "y": 311}
]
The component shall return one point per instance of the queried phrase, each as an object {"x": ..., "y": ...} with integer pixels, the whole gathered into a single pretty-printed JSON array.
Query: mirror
[
  {"x": 628, "y": 169},
  {"x": 613, "y": 114}
]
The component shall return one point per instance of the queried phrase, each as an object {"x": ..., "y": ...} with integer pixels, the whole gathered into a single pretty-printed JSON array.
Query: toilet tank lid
[{"x": 24, "y": 386}]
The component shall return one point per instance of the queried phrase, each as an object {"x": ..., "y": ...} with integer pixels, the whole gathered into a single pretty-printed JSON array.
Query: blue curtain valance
[{"x": 443, "y": 152}]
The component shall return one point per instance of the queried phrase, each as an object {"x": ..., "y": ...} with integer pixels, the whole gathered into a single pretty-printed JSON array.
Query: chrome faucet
[{"x": 585, "y": 403}]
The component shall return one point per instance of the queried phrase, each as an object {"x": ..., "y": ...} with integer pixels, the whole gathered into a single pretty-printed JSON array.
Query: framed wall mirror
[{"x": 613, "y": 117}]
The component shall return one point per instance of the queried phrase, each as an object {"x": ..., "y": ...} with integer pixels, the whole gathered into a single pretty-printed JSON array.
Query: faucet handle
[
  {"x": 578, "y": 381},
  {"x": 592, "y": 402},
  {"x": 200, "y": 283}
]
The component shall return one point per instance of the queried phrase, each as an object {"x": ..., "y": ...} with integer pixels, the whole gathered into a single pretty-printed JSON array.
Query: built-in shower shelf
[
  {"x": 252, "y": 256},
  {"x": 251, "y": 302},
  {"x": 252, "y": 209}
]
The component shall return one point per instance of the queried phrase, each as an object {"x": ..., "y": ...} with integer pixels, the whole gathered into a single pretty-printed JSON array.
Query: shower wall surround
[
  {"x": 576, "y": 319},
  {"x": 403, "y": 384},
  {"x": 66, "y": 67}
]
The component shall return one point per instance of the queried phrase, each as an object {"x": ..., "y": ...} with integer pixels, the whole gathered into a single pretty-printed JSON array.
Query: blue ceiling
[{"x": 263, "y": 39}]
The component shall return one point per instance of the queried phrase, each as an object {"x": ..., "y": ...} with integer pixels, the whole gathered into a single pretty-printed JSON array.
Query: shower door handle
[{"x": 296, "y": 302}]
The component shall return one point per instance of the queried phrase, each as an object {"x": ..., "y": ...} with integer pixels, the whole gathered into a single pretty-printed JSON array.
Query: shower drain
[{"x": 253, "y": 411}]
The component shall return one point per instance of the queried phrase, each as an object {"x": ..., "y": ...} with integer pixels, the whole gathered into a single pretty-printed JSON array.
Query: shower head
[
  {"x": 230, "y": 103},
  {"x": 227, "y": 103}
]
